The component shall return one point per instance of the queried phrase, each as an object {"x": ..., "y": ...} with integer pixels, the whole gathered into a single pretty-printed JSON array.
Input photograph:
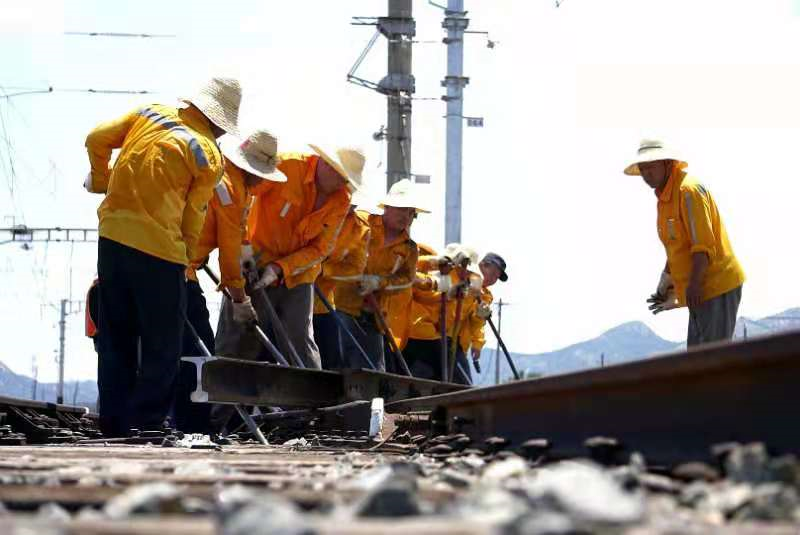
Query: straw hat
[
  {"x": 650, "y": 150},
  {"x": 257, "y": 155},
  {"x": 348, "y": 162},
  {"x": 453, "y": 250},
  {"x": 219, "y": 100},
  {"x": 402, "y": 194}
]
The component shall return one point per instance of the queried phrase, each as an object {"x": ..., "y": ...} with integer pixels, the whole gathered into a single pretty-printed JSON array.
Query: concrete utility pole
[
  {"x": 62, "y": 325},
  {"x": 455, "y": 22},
  {"x": 399, "y": 28}
]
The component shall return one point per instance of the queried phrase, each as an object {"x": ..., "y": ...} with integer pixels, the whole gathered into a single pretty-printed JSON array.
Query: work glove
[
  {"x": 443, "y": 282},
  {"x": 456, "y": 289},
  {"x": 484, "y": 311},
  {"x": 664, "y": 284},
  {"x": 268, "y": 278},
  {"x": 660, "y": 303},
  {"x": 243, "y": 312},
  {"x": 87, "y": 184},
  {"x": 247, "y": 258},
  {"x": 475, "y": 284},
  {"x": 369, "y": 284}
]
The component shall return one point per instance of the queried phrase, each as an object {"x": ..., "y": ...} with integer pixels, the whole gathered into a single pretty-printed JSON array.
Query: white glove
[
  {"x": 659, "y": 303},
  {"x": 87, "y": 184},
  {"x": 443, "y": 282},
  {"x": 664, "y": 284},
  {"x": 475, "y": 284},
  {"x": 368, "y": 284},
  {"x": 267, "y": 278},
  {"x": 484, "y": 311},
  {"x": 244, "y": 312}
]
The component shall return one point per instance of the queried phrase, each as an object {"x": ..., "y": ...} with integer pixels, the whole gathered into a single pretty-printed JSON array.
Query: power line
[
  {"x": 121, "y": 34},
  {"x": 51, "y": 89}
]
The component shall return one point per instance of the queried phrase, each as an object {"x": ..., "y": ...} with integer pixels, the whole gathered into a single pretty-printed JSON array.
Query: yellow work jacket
[
  {"x": 347, "y": 261},
  {"x": 225, "y": 228},
  {"x": 424, "y": 319},
  {"x": 158, "y": 189},
  {"x": 688, "y": 223},
  {"x": 395, "y": 262},
  {"x": 283, "y": 226},
  {"x": 473, "y": 334}
]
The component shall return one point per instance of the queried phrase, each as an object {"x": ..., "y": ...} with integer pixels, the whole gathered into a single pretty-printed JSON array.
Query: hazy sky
[{"x": 566, "y": 94}]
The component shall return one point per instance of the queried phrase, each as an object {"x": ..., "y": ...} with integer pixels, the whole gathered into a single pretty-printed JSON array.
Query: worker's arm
[
  {"x": 99, "y": 144},
  {"x": 428, "y": 263},
  {"x": 696, "y": 211},
  {"x": 353, "y": 260},
  {"x": 230, "y": 234},
  {"x": 318, "y": 248},
  {"x": 206, "y": 172},
  {"x": 694, "y": 290},
  {"x": 403, "y": 277}
]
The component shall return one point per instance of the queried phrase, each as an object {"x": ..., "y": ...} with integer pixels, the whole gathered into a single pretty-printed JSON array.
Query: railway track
[{"x": 451, "y": 460}]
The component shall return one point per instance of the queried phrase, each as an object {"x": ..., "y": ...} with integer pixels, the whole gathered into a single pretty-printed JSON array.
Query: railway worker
[
  {"x": 345, "y": 264},
  {"x": 702, "y": 271},
  {"x": 436, "y": 275},
  {"x": 293, "y": 227},
  {"x": 150, "y": 221},
  {"x": 247, "y": 164},
  {"x": 391, "y": 264},
  {"x": 492, "y": 268}
]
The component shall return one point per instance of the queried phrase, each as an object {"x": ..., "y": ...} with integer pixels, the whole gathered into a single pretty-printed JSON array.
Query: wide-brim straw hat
[
  {"x": 348, "y": 162},
  {"x": 451, "y": 250},
  {"x": 403, "y": 194},
  {"x": 650, "y": 150},
  {"x": 258, "y": 155},
  {"x": 219, "y": 101}
]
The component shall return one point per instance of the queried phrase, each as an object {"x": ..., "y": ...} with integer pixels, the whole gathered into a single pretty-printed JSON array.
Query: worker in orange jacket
[
  {"x": 473, "y": 337},
  {"x": 345, "y": 264},
  {"x": 391, "y": 261},
  {"x": 247, "y": 164},
  {"x": 150, "y": 222},
  {"x": 436, "y": 275},
  {"x": 293, "y": 227},
  {"x": 702, "y": 271}
]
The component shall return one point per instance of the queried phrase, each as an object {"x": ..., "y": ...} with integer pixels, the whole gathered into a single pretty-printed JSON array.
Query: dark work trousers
[
  {"x": 191, "y": 417},
  {"x": 424, "y": 358},
  {"x": 369, "y": 337},
  {"x": 326, "y": 334},
  {"x": 462, "y": 374},
  {"x": 140, "y": 296}
]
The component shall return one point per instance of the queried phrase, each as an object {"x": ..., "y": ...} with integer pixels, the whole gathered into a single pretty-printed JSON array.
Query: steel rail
[{"x": 672, "y": 407}]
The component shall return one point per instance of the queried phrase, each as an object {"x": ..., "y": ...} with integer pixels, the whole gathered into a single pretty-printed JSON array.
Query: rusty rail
[{"x": 672, "y": 407}]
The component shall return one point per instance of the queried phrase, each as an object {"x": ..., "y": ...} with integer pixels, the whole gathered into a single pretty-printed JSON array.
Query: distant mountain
[
  {"x": 20, "y": 386},
  {"x": 627, "y": 342}
]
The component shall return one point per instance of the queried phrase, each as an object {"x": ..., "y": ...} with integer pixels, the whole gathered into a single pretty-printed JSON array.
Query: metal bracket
[
  {"x": 397, "y": 83},
  {"x": 199, "y": 395},
  {"x": 394, "y": 28}
]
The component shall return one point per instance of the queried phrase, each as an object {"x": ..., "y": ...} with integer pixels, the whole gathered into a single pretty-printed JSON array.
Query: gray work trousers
[
  {"x": 715, "y": 319},
  {"x": 294, "y": 307}
]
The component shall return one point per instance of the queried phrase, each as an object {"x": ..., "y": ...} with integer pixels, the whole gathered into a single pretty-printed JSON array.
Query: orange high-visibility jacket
[
  {"x": 394, "y": 262},
  {"x": 347, "y": 261},
  {"x": 688, "y": 223},
  {"x": 225, "y": 228},
  {"x": 158, "y": 189},
  {"x": 283, "y": 226}
]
